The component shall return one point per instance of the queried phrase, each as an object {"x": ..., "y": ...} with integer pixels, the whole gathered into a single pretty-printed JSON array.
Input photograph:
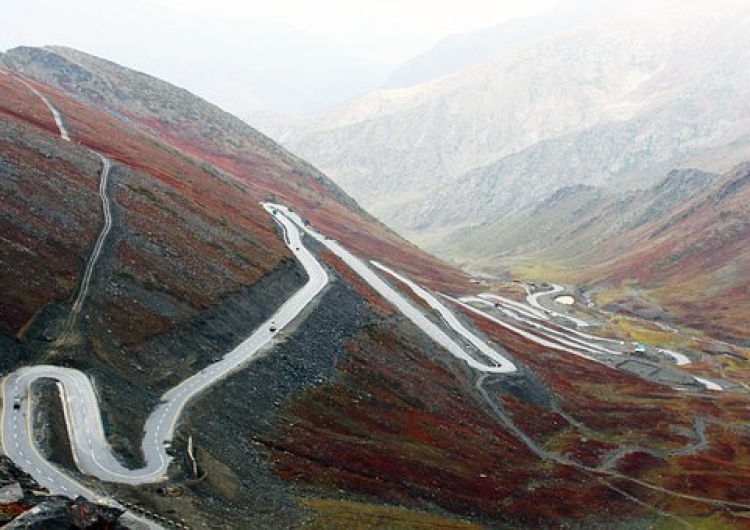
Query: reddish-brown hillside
[
  {"x": 44, "y": 235},
  {"x": 167, "y": 202},
  {"x": 355, "y": 410},
  {"x": 177, "y": 118},
  {"x": 695, "y": 262},
  {"x": 192, "y": 265}
]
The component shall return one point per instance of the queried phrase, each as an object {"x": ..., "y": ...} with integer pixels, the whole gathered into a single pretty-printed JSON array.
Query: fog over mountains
[
  {"x": 241, "y": 63},
  {"x": 239, "y": 344},
  {"x": 615, "y": 100}
]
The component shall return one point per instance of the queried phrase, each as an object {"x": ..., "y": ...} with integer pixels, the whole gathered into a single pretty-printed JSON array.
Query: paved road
[
  {"x": 52, "y": 478},
  {"x": 92, "y": 453},
  {"x": 499, "y": 364},
  {"x": 542, "y": 328},
  {"x": 88, "y": 273},
  {"x": 533, "y": 300},
  {"x": 514, "y": 306},
  {"x": 680, "y": 358},
  {"x": 103, "y": 233},
  {"x": 539, "y": 329},
  {"x": 541, "y": 340}
]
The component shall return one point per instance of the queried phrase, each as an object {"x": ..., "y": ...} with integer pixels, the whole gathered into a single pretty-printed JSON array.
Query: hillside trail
[{"x": 69, "y": 335}]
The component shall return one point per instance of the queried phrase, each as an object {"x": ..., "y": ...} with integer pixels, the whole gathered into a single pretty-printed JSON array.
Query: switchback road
[
  {"x": 498, "y": 363},
  {"x": 92, "y": 453}
]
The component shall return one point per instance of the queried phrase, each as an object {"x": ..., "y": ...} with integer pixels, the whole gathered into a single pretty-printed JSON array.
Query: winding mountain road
[
  {"x": 533, "y": 300},
  {"x": 498, "y": 363},
  {"x": 94, "y": 456},
  {"x": 568, "y": 337},
  {"x": 540, "y": 329},
  {"x": 91, "y": 451}
]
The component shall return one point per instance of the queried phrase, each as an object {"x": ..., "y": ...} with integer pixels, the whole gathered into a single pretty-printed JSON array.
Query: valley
[
  {"x": 239, "y": 345},
  {"x": 586, "y": 147}
]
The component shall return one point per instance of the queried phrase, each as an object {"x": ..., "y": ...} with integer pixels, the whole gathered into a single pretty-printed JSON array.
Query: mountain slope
[
  {"x": 203, "y": 130},
  {"x": 680, "y": 245},
  {"x": 695, "y": 261},
  {"x": 354, "y": 415},
  {"x": 614, "y": 102}
]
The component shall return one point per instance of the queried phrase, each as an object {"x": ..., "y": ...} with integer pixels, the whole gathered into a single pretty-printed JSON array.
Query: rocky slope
[
  {"x": 356, "y": 418},
  {"x": 193, "y": 262},
  {"x": 457, "y": 52},
  {"x": 615, "y": 102},
  {"x": 24, "y": 504},
  {"x": 680, "y": 244}
]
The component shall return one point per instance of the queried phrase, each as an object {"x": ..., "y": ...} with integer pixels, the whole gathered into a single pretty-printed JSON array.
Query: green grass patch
[{"x": 145, "y": 192}]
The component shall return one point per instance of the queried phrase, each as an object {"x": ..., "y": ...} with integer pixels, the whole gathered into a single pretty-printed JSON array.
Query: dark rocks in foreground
[{"x": 25, "y": 504}]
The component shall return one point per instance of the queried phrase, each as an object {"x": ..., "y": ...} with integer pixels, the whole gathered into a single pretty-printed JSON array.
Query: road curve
[
  {"x": 89, "y": 446},
  {"x": 565, "y": 336},
  {"x": 499, "y": 364},
  {"x": 533, "y": 299},
  {"x": 542, "y": 341},
  {"x": 92, "y": 453}
]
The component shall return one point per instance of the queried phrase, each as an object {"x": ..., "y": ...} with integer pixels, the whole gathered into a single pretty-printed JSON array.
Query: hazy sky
[
  {"x": 289, "y": 55},
  {"x": 255, "y": 54},
  {"x": 383, "y": 29}
]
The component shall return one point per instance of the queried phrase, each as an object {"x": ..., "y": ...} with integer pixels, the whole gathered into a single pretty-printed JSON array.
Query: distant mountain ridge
[
  {"x": 616, "y": 103},
  {"x": 680, "y": 244},
  {"x": 457, "y": 52},
  {"x": 357, "y": 415}
]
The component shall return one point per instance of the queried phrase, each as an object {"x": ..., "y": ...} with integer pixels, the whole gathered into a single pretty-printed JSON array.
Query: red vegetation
[
  {"x": 217, "y": 238},
  {"x": 271, "y": 174},
  {"x": 399, "y": 426},
  {"x": 21, "y": 104},
  {"x": 621, "y": 409},
  {"x": 44, "y": 233},
  {"x": 376, "y": 302},
  {"x": 696, "y": 263}
]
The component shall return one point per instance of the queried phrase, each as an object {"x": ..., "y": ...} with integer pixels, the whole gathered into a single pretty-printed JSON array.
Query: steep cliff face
[{"x": 612, "y": 102}]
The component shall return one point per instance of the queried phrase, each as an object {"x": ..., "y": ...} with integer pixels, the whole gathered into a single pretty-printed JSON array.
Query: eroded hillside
[{"x": 354, "y": 415}]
